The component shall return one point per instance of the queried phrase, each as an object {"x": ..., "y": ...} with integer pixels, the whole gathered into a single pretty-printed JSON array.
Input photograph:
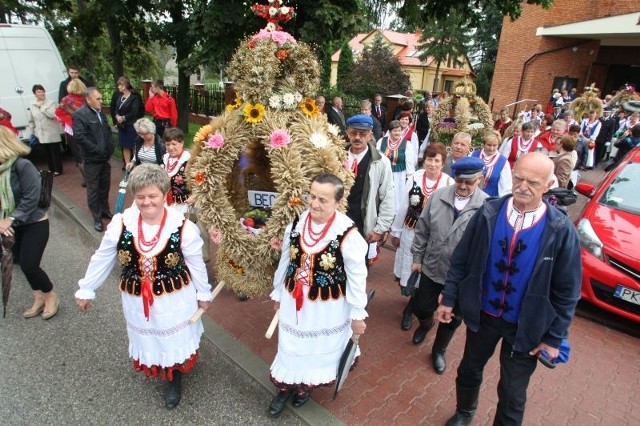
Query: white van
[{"x": 28, "y": 56}]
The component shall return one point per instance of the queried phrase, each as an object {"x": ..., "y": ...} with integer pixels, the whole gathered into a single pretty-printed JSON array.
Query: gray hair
[
  {"x": 90, "y": 90},
  {"x": 462, "y": 135},
  {"x": 333, "y": 180},
  {"x": 394, "y": 124},
  {"x": 559, "y": 123},
  {"x": 145, "y": 125},
  {"x": 147, "y": 174},
  {"x": 365, "y": 103}
]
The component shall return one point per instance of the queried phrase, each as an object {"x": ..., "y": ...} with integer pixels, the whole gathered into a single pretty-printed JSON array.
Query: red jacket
[
  {"x": 162, "y": 107},
  {"x": 5, "y": 120}
]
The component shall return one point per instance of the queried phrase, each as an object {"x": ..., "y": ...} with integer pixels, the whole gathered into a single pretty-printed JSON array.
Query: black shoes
[
  {"x": 98, "y": 226},
  {"x": 280, "y": 401},
  {"x": 174, "y": 391},
  {"x": 107, "y": 215},
  {"x": 407, "y": 317},
  {"x": 300, "y": 399},
  {"x": 438, "y": 361},
  {"x": 422, "y": 330}
]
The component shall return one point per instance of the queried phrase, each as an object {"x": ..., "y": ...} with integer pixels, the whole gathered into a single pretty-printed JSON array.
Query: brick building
[{"x": 573, "y": 44}]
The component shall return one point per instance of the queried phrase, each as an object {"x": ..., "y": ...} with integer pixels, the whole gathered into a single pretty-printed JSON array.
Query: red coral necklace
[
  {"x": 154, "y": 241},
  {"x": 428, "y": 190},
  {"x": 171, "y": 165},
  {"x": 315, "y": 237}
]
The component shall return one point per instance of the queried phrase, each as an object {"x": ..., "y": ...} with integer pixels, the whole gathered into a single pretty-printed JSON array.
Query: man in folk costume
[
  {"x": 438, "y": 230},
  {"x": 496, "y": 172},
  {"x": 460, "y": 147},
  {"x": 319, "y": 289},
  {"x": 521, "y": 286},
  {"x": 521, "y": 145},
  {"x": 370, "y": 203}
]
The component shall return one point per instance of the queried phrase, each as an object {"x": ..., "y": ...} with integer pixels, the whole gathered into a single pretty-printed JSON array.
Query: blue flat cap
[
  {"x": 360, "y": 121},
  {"x": 467, "y": 168}
]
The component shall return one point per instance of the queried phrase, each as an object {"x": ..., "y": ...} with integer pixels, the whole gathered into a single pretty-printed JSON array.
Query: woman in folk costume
[
  {"x": 163, "y": 281},
  {"x": 520, "y": 145},
  {"x": 175, "y": 163},
  {"x": 319, "y": 288},
  {"x": 415, "y": 195},
  {"x": 497, "y": 171},
  {"x": 400, "y": 146},
  {"x": 503, "y": 122},
  {"x": 589, "y": 130}
]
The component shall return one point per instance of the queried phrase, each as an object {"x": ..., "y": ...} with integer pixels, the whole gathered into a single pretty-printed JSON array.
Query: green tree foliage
[
  {"x": 486, "y": 38},
  {"x": 377, "y": 70},
  {"x": 345, "y": 65},
  {"x": 444, "y": 40},
  {"x": 415, "y": 12}
]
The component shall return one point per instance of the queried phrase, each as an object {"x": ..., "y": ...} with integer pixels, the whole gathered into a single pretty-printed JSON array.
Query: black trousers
[
  {"x": 516, "y": 368},
  {"x": 54, "y": 156},
  {"x": 98, "y": 179},
  {"x": 161, "y": 125},
  {"x": 28, "y": 249}
]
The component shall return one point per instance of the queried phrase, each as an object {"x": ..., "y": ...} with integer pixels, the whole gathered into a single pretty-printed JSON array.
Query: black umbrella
[
  {"x": 348, "y": 355},
  {"x": 6, "y": 268}
]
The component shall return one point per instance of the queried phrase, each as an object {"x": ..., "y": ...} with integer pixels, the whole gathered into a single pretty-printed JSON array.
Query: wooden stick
[
  {"x": 272, "y": 326},
  {"x": 197, "y": 314}
]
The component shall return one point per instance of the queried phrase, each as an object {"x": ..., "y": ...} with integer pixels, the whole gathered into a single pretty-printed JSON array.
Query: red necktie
[{"x": 354, "y": 167}]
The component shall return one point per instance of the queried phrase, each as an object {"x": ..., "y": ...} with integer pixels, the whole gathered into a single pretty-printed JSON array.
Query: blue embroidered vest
[
  {"x": 327, "y": 276},
  {"x": 491, "y": 184},
  {"x": 168, "y": 270},
  {"x": 510, "y": 264}
]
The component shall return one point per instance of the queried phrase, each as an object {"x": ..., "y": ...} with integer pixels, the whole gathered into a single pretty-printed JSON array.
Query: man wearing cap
[
  {"x": 438, "y": 231},
  {"x": 460, "y": 148},
  {"x": 514, "y": 276},
  {"x": 370, "y": 203}
]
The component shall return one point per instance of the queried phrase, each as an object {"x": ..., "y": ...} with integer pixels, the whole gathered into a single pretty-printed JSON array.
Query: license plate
[{"x": 627, "y": 294}]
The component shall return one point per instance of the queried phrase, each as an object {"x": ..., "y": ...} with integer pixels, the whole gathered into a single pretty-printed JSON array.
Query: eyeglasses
[
  {"x": 467, "y": 182},
  {"x": 142, "y": 133},
  {"x": 359, "y": 133}
]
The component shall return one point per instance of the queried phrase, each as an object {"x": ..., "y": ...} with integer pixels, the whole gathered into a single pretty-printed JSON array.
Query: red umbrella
[{"x": 6, "y": 269}]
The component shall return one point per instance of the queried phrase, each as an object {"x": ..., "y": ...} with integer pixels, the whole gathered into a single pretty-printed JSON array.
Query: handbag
[{"x": 46, "y": 187}]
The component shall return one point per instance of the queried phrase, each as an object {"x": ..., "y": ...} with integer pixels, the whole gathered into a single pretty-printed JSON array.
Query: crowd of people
[{"x": 437, "y": 204}]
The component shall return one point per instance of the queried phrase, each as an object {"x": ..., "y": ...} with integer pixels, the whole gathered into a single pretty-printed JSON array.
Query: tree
[
  {"x": 444, "y": 39},
  {"x": 377, "y": 70},
  {"x": 486, "y": 38},
  {"x": 345, "y": 65},
  {"x": 417, "y": 11}
]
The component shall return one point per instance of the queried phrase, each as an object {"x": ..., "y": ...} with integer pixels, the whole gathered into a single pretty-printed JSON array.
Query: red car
[{"x": 609, "y": 232}]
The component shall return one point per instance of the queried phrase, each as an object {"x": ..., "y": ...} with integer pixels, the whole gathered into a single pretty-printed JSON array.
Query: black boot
[
  {"x": 443, "y": 337},
  {"x": 279, "y": 402},
  {"x": 174, "y": 391},
  {"x": 407, "y": 316},
  {"x": 467, "y": 402},
  {"x": 422, "y": 330}
]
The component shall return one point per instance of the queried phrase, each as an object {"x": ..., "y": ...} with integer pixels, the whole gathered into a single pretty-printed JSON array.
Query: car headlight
[{"x": 588, "y": 239}]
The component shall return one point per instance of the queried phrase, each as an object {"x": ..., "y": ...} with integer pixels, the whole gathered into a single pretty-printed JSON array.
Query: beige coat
[{"x": 43, "y": 123}]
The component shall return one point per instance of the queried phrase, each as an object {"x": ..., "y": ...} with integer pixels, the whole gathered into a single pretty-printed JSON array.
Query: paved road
[{"x": 74, "y": 368}]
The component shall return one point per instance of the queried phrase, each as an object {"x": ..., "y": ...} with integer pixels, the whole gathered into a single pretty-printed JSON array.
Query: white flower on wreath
[
  {"x": 289, "y": 100},
  {"x": 275, "y": 101},
  {"x": 298, "y": 97},
  {"x": 271, "y": 1},
  {"x": 271, "y": 26},
  {"x": 284, "y": 10},
  {"x": 333, "y": 130},
  {"x": 273, "y": 11},
  {"x": 475, "y": 126},
  {"x": 319, "y": 140},
  {"x": 414, "y": 200}
]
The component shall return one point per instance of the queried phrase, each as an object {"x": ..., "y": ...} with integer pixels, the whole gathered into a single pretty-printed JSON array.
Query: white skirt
[{"x": 404, "y": 259}]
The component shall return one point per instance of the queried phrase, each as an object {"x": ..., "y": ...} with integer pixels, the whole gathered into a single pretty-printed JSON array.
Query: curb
[{"x": 311, "y": 413}]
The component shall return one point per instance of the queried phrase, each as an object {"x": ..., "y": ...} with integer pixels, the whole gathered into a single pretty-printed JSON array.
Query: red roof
[{"x": 407, "y": 42}]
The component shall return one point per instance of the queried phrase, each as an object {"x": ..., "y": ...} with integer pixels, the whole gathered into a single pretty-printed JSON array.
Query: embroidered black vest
[
  {"x": 168, "y": 270},
  {"x": 179, "y": 190},
  {"x": 327, "y": 277},
  {"x": 414, "y": 211}
]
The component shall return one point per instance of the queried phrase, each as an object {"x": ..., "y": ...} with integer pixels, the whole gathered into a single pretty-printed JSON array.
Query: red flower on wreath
[
  {"x": 282, "y": 54},
  {"x": 274, "y": 13},
  {"x": 199, "y": 178}
]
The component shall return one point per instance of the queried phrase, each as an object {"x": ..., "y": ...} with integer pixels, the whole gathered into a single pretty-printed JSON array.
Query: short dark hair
[
  {"x": 37, "y": 87},
  {"x": 173, "y": 134},
  {"x": 159, "y": 84},
  {"x": 574, "y": 128},
  {"x": 125, "y": 82},
  {"x": 73, "y": 67},
  {"x": 527, "y": 126},
  {"x": 568, "y": 143},
  {"x": 334, "y": 180},
  {"x": 635, "y": 130},
  {"x": 434, "y": 149}
]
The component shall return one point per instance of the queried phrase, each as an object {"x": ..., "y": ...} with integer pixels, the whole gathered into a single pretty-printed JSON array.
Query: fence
[{"x": 207, "y": 101}]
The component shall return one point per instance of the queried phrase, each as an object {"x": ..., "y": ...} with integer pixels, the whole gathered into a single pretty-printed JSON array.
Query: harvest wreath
[{"x": 271, "y": 138}]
